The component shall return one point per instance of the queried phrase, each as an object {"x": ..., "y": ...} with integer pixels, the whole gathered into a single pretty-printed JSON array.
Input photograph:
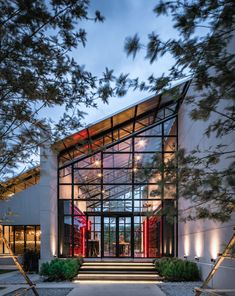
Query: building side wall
[
  {"x": 204, "y": 238},
  {"x": 24, "y": 205}
]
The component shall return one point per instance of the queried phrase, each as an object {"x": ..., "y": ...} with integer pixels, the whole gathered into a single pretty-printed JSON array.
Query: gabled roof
[
  {"x": 69, "y": 147},
  {"x": 19, "y": 183},
  {"x": 130, "y": 119}
]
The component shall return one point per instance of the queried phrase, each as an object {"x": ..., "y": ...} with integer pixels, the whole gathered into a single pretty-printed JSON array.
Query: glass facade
[
  {"x": 112, "y": 200},
  {"x": 21, "y": 238}
]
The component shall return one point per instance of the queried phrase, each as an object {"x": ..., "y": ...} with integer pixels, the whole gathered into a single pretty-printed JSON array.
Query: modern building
[{"x": 99, "y": 193}]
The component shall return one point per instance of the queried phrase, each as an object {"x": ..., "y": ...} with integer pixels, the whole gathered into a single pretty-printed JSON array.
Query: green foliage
[
  {"x": 202, "y": 51},
  {"x": 61, "y": 269},
  {"x": 175, "y": 269},
  {"x": 37, "y": 71}
]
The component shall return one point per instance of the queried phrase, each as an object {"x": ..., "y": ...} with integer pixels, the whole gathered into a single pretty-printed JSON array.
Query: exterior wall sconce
[
  {"x": 185, "y": 257},
  {"x": 196, "y": 258}
]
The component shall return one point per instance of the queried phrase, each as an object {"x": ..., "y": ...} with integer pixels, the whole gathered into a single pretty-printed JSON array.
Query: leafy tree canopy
[
  {"x": 203, "y": 52},
  {"x": 38, "y": 71}
]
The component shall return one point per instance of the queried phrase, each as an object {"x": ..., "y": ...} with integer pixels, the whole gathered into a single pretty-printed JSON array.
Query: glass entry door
[{"x": 117, "y": 236}]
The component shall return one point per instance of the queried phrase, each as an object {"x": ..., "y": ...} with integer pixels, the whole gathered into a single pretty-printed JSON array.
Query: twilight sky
[{"x": 105, "y": 48}]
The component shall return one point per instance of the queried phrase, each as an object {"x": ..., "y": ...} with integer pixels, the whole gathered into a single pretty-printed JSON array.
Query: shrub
[
  {"x": 61, "y": 269},
  {"x": 30, "y": 260},
  {"x": 175, "y": 269}
]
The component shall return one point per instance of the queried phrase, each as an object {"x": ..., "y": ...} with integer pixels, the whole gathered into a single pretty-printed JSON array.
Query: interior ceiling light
[
  {"x": 97, "y": 162},
  {"x": 138, "y": 157},
  {"x": 99, "y": 175},
  {"x": 141, "y": 143}
]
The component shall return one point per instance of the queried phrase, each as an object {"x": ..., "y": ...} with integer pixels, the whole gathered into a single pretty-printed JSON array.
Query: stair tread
[{"x": 116, "y": 272}]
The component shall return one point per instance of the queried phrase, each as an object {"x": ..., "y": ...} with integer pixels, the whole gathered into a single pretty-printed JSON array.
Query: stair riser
[
  {"x": 110, "y": 277},
  {"x": 116, "y": 272}
]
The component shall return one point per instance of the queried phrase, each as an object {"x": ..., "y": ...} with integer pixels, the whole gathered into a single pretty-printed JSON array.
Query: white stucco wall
[
  {"x": 25, "y": 205},
  {"x": 48, "y": 204},
  {"x": 203, "y": 238}
]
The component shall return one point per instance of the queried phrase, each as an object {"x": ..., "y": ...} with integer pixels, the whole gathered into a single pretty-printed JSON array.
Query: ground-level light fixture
[
  {"x": 185, "y": 256},
  {"x": 213, "y": 260},
  {"x": 196, "y": 258}
]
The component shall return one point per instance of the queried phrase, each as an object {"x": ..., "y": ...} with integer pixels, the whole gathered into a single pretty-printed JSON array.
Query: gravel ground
[
  {"x": 179, "y": 288},
  {"x": 42, "y": 292}
]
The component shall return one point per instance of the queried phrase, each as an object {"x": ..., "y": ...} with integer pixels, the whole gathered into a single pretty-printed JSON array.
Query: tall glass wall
[{"x": 111, "y": 203}]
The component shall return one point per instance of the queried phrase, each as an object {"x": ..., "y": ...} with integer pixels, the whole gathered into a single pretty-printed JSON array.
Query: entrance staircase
[
  {"x": 117, "y": 271},
  {"x": 6, "y": 262}
]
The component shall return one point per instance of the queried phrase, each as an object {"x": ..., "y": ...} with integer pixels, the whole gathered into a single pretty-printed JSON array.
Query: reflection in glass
[
  {"x": 124, "y": 182},
  {"x": 19, "y": 239}
]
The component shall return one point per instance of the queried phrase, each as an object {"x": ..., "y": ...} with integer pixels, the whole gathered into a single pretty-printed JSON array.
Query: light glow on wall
[
  {"x": 186, "y": 245},
  {"x": 214, "y": 245},
  {"x": 53, "y": 246},
  {"x": 199, "y": 242}
]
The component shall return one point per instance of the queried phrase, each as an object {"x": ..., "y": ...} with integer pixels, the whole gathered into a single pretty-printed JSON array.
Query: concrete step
[
  {"x": 8, "y": 267},
  {"x": 118, "y": 277},
  {"x": 117, "y": 271},
  {"x": 134, "y": 264},
  {"x": 7, "y": 260}
]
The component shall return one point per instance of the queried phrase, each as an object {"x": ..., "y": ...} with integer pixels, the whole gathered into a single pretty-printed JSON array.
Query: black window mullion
[
  {"x": 72, "y": 210},
  {"x": 162, "y": 189}
]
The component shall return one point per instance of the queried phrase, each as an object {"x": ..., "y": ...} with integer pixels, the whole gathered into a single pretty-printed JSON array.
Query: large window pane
[
  {"x": 117, "y": 206},
  {"x": 65, "y": 191},
  {"x": 87, "y": 176},
  {"x": 19, "y": 239},
  {"x": 65, "y": 175},
  {"x": 30, "y": 237},
  {"x": 148, "y": 144},
  {"x": 38, "y": 238},
  {"x": 121, "y": 176},
  {"x": 80, "y": 235},
  {"x": 117, "y": 160},
  {"x": 89, "y": 162},
  {"x": 65, "y": 245},
  {"x": 94, "y": 236},
  {"x": 87, "y": 191}
]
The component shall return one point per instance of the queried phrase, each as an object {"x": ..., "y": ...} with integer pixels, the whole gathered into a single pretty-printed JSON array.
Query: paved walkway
[
  {"x": 117, "y": 290},
  {"x": 14, "y": 280}
]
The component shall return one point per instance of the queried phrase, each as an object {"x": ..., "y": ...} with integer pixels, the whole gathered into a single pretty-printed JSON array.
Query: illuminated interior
[
  {"x": 114, "y": 184},
  {"x": 21, "y": 238}
]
